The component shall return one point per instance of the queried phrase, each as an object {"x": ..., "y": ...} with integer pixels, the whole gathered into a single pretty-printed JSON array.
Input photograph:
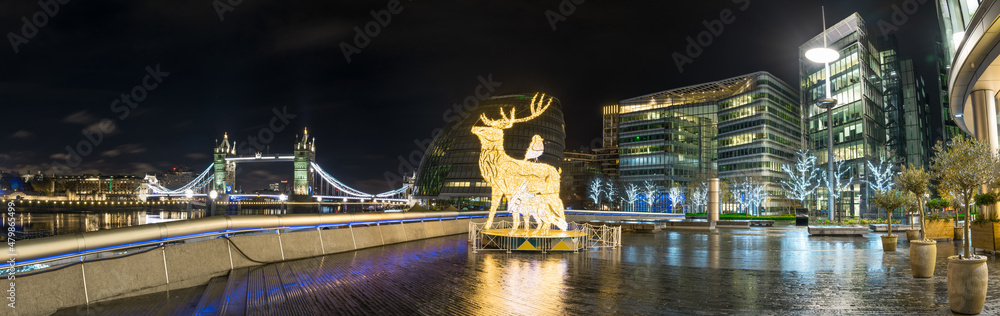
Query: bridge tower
[
  {"x": 225, "y": 172},
  {"x": 305, "y": 152}
]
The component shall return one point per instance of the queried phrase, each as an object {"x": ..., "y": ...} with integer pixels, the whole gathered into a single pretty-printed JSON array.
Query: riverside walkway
[{"x": 753, "y": 271}]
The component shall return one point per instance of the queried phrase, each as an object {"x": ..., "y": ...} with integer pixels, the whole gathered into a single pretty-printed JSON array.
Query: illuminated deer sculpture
[{"x": 505, "y": 174}]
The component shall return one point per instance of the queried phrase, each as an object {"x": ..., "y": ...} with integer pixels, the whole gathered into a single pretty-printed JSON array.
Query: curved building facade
[{"x": 449, "y": 171}]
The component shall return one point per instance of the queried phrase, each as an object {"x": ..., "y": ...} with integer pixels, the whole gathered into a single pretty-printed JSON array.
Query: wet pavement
[{"x": 757, "y": 271}]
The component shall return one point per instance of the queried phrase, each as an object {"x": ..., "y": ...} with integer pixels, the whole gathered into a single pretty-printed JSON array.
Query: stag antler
[{"x": 506, "y": 122}]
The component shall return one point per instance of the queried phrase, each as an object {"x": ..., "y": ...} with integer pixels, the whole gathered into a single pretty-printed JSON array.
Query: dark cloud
[
  {"x": 22, "y": 134},
  {"x": 80, "y": 117}
]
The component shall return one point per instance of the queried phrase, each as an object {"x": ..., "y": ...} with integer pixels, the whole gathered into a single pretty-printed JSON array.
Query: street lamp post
[
  {"x": 189, "y": 195},
  {"x": 211, "y": 201},
  {"x": 825, "y": 55}
]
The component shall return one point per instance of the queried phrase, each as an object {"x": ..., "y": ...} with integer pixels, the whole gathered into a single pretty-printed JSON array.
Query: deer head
[{"x": 493, "y": 131}]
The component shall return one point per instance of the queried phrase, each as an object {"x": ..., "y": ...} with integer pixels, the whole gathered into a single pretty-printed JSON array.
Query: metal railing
[{"x": 33, "y": 251}]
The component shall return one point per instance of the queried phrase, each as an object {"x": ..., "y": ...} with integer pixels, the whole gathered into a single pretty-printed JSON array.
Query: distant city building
[
  {"x": 284, "y": 187},
  {"x": 578, "y": 168},
  {"x": 449, "y": 173},
  {"x": 607, "y": 156},
  {"x": 176, "y": 177},
  {"x": 97, "y": 187},
  {"x": 745, "y": 126}
]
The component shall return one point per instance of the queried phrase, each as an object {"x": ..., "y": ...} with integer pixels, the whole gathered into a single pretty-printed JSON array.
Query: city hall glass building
[
  {"x": 449, "y": 175},
  {"x": 746, "y": 126}
]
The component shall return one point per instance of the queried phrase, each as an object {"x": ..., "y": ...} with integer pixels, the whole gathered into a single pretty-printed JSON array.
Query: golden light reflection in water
[{"x": 521, "y": 286}]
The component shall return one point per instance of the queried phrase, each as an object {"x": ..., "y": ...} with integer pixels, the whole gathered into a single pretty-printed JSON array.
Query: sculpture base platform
[
  {"x": 503, "y": 237},
  {"x": 530, "y": 240}
]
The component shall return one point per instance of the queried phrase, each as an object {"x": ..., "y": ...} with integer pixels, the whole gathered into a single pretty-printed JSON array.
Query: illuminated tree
[
  {"x": 596, "y": 191},
  {"x": 699, "y": 196},
  {"x": 631, "y": 195},
  {"x": 611, "y": 191},
  {"x": 838, "y": 184},
  {"x": 757, "y": 195},
  {"x": 652, "y": 191},
  {"x": 737, "y": 192},
  {"x": 676, "y": 196},
  {"x": 804, "y": 179},
  {"x": 881, "y": 176}
]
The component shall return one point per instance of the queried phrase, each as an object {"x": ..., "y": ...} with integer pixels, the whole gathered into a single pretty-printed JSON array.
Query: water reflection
[{"x": 523, "y": 285}]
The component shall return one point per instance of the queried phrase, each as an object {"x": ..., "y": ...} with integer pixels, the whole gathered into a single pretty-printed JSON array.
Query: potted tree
[
  {"x": 923, "y": 251},
  {"x": 962, "y": 167},
  {"x": 984, "y": 230},
  {"x": 889, "y": 200}
]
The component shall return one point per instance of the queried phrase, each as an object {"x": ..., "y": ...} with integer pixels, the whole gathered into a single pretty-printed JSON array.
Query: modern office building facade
[
  {"x": 972, "y": 83},
  {"x": 449, "y": 171},
  {"x": 608, "y": 155},
  {"x": 909, "y": 136},
  {"x": 954, "y": 17},
  {"x": 859, "y": 118},
  {"x": 745, "y": 126}
]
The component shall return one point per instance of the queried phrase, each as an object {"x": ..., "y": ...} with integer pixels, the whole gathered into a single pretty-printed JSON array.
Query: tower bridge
[{"x": 310, "y": 181}]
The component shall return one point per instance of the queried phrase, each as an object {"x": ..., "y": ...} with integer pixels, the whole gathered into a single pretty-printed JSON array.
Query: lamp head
[{"x": 822, "y": 55}]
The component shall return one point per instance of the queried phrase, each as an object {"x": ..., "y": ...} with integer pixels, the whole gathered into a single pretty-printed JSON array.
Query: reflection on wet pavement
[{"x": 779, "y": 270}]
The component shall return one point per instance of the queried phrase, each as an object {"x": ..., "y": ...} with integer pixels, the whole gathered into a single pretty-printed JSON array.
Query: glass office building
[
  {"x": 954, "y": 17},
  {"x": 908, "y": 130},
  {"x": 745, "y": 126},
  {"x": 449, "y": 175},
  {"x": 859, "y": 118}
]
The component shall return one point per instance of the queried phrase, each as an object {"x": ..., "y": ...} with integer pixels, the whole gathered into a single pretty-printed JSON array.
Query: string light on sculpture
[{"x": 535, "y": 184}]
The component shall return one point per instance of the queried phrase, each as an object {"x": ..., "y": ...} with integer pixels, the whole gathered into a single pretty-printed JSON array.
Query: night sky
[{"x": 231, "y": 74}]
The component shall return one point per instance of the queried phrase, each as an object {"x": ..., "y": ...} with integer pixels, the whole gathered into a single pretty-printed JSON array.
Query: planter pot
[
  {"x": 912, "y": 234},
  {"x": 967, "y": 281},
  {"x": 939, "y": 229},
  {"x": 923, "y": 256},
  {"x": 889, "y": 242},
  {"x": 960, "y": 233},
  {"x": 985, "y": 236}
]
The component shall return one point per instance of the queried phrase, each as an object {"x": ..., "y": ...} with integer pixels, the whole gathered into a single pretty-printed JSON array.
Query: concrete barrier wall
[
  {"x": 44, "y": 293},
  {"x": 262, "y": 248},
  {"x": 194, "y": 264},
  {"x": 434, "y": 229},
  {"x": 303, "y": 244},
  {"x": 143, "y": 273},
  {"x": 365, "y": 237},
  {"x": 392, "y": 234},
  {"x": 415, "y": 231},
  {"x": 338, "y": 240}
]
